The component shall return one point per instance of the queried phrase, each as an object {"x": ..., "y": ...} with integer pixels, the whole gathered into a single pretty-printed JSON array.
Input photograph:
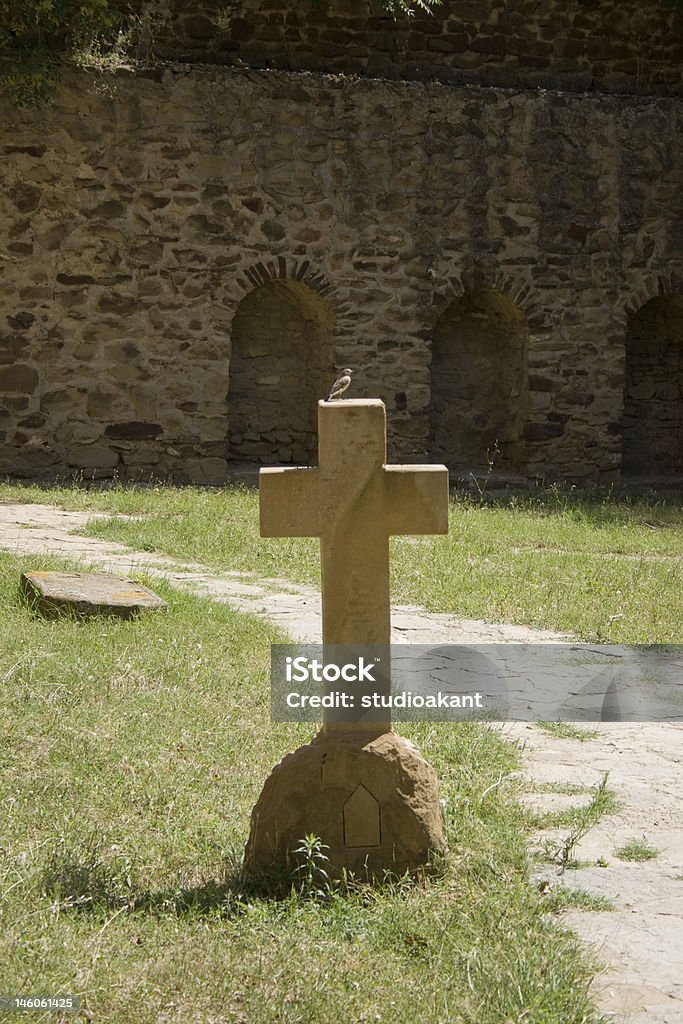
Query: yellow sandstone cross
[
  {"x": 365, "y": 791},
  {"x": 354, "y": 502}
]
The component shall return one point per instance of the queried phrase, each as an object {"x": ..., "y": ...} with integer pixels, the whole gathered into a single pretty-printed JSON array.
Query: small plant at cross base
[{"x": 311, "y": 876}]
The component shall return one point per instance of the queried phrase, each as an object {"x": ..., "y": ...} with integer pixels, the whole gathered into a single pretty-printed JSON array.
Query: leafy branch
[{"x": 37, "y": 36}]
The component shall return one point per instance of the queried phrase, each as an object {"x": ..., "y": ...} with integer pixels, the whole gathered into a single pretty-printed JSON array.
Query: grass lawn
[
  {"x": 131, "y": 754},
  {"x": 609, "y": 570}
]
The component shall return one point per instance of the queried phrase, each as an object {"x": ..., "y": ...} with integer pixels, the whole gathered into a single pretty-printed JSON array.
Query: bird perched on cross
[{"x": 340, "y": 385}]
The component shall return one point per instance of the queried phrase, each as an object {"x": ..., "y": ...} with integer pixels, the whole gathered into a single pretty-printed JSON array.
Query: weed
[
  {"x": 569, "y": 731},
  {"x": 637, "y": 850},
  {"x": 558, "y": 899},
  {"x": 310, "y": 875},
  {"x": 586, "y": 817}
]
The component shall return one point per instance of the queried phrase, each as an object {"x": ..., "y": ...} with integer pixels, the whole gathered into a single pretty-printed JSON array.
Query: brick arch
[
  {"x": 520, "y": 291},
  {"x": 650, "y": 286},
  {"x": 280, "y": 268},
  {"x": 282, "y": 360},
  {"x": 284, "y": 268},
  {"x": 479, "y": 380}
]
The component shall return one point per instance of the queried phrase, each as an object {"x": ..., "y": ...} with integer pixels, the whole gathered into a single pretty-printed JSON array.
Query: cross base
[{"x": 375, "y": 805}]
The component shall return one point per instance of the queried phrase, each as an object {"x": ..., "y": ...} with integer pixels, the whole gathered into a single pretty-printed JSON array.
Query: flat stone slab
[{"x": 88, "y": 593}]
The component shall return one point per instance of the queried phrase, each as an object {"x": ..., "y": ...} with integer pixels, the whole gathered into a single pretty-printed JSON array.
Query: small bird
[{"x": 340, "y": 385}]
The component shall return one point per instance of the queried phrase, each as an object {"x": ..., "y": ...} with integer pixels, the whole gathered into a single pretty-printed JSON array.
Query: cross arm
[
  {"x": 416, "y": 499},
  {"x": 289, "y": 502}
]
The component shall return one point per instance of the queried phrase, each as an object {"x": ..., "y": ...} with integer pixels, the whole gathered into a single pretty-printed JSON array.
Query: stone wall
[
  {"x": 480, "y": 348},
  {"x": 144, "y": 226},
  {"x": 282, "y": 362},
  {"x": 609, "y": 45}
]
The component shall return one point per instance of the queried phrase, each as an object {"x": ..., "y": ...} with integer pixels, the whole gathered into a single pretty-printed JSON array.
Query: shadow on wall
[
  {"x": 283, "y": 348},
  {"x": 479, "y": 382},
  {"x": 282, "y": 360},
  {"x": 653, "y": 390}
]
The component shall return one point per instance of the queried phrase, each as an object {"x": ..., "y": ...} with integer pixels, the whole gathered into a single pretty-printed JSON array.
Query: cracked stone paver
[{"x": 641, "y": 940}]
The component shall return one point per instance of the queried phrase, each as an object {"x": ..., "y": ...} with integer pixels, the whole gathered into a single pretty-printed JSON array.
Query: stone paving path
[
  {"x": 42, "y": 529},
  {"x": 641, "y": 941}
]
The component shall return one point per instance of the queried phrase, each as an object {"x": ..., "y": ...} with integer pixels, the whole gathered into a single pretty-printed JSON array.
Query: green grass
[
  {"x": 559, "y": 899},
  {"x": 580, "y": 819},
  {"x": 131, "y": 754},
  {"x": 565, "y": 788},
  {"x": 569, "y": 731},
  {"x": 607, "y": 569},
  {"x": 572, "y": 816},
  {"x": 637, "y": 850}
]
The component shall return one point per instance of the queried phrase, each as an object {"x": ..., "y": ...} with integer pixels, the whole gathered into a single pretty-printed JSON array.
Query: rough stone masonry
[{"x": 493, "y": 243}]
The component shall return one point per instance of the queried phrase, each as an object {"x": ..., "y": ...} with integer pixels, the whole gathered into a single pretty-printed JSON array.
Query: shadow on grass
[
  {"x": 83, "y": 882},
  {"x": 82, "y": 482},
  {"x": 593, "y": 505},
  {"x": 628, "y": 499}
]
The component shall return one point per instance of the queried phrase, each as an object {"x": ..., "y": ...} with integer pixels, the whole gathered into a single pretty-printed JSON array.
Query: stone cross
[
  {"x": 366, "y": 792},
  {"x": 354, "y": 502}
]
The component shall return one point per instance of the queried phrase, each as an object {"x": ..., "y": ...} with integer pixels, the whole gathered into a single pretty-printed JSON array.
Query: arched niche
[
  {"x": 479, "y": 384},
  {"x": 653, "y": 390},
  {"x": 281, "y": 364}
]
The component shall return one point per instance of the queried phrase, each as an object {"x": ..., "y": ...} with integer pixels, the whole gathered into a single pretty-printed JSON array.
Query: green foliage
[
  {"x": 584, "y": 818},
  {"x": 569, "y": 731},
  {"x": 560, "y": 899},
  {"x": 408, "y": 8},
  {"x": 55, "y": 23},
  {"x": 310, "y": 876},
  {"x": 36, "y": 35}
]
